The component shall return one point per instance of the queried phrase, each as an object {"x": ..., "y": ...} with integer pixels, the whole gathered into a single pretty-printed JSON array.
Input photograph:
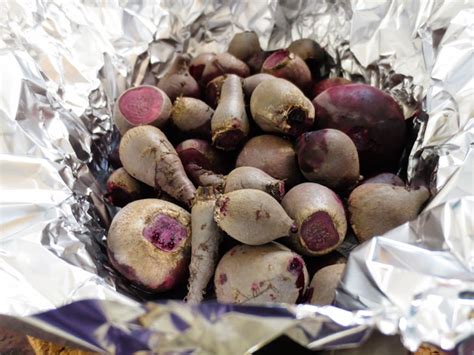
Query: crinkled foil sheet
[{"x": 63, "y": 63}]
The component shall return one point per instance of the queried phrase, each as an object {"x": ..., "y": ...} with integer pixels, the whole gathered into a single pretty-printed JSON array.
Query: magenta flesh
[
  {"x": 141, "y": 105},
  {"x": 165, "y": 233},
  {"x": 318, "y": 231}
]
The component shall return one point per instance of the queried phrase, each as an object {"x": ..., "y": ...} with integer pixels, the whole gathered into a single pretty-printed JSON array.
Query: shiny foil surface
[{"x": 62, "y": 65}]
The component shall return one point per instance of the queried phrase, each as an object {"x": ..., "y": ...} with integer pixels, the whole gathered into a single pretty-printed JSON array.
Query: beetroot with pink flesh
[
  {"x": 141, "y": 106},
  {"x": 165, "y": 233},
  {"x": 370, "y": 117}
]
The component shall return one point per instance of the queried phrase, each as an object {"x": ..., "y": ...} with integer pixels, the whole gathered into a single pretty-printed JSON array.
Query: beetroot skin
[
  {"x": 266, "y": 273},
  {"x": 122, "y": 188},
  {"x": 149, "y": 243},
  {"x": 177, "y": 81},
  {"x": 325, "y": 84},
  {"x": 370, "y": 117},
  {"x": 385, "y": 178}
]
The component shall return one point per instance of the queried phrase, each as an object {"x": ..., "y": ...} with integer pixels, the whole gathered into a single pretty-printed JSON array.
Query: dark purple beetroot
[
  {"x": 325, "y": 84},
  {"x": 328, "y": 157},
  {"x": 198, "y": 63},
  {"x": 212, "y": 91},
  {"x": 122, "y": 188},
  {"x": 313, "y": 55},
  {"x": 224, "y": 63},
  {"x": 372, "y": 118},
  {"x": 272, "y": 154},
  {"x": 286, "y": 65},
  {"x": 192, "y": 116},
  {"x": 385, "y": 178},
  {"x": 320, "y": 217},
  {"x": 114, "y": 158},
  {"x": 177, "y": 81}
]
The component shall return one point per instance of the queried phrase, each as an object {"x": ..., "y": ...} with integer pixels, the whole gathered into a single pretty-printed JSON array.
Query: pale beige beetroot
[
  {"x": 278, "y": 106},
  {"x": 252, "y": 217},
  {"x": 385, "y": 178},
  {"x": 376, "y": 208},
  {"x": 244, "y": 45},
  {"x": 230, "y": 125},
  {"x": 247, "y": 177},
  {"x": 122, "y": 188},
  {"x": 148, "y": 156},
  {"x": 259, "y": 274},
  {"x": 192, "y": 116},
  {"x": 324, "y": 283},
  {"x": 272, "y": 154},
  {"x": 251, "y": 82},
  {"x": 320, "y": 217},
  {"x": 177, "y": 81},
  {"x": 141, "y": 105},
  {"x": 224, "y": 63},
  {"x": 206, "y": 238},
  {"x": 149, "y": 243}
]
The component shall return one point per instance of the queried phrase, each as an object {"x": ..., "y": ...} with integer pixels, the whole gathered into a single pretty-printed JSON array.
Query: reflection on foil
[{"x": 63, "y": 65}]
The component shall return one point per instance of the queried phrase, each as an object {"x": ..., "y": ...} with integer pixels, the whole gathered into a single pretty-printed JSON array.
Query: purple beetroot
[
  {"x": 177, "y": 80},
  {"x": 230, "y": 125},
  {"x": 328, "y": 157},
  {"x": 370, "y": 117},
  {"x": 223, "y": 63},
  {"x": 141, "y": 105},
  {"x": 198, "y": 63},
  {"x": 314, "y": 56},
  {"x": 212, "y": 92},
  {"x": 149, "y": 243},
  {"x": 259, "y": 274},
  {"x": 320, "y": 217},
  {"x": 192, "y": 116},
  {"x": 279, "y": 106},
  {"x": 325, "y": 84},
  {"x": 122, "y": 188},
  {"x": 272, "y": 154},
  {"x": 286, "y": 65}
]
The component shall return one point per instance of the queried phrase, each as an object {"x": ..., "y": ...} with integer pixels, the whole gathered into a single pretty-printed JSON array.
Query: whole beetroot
[
  {"x": 313, "y": 55},
  {"x": 252, "y": 217},
  {"x": 325, "y": 84},
  {"x": 149, "y": 243},
  {"x": 289, "y": 66},
  {"x": 122, "y": 188},
  {"x": 230, "y": 125},
  {"x": 279, "y": 106},
  {"x": 322, "y": 288},
  {"x": 320, "y": 217},
  {"x": 223, "y": 63},
  {"x": 377, "y": 208},
  {"x": 247, "y": 177},
  {"x": 328, "y": 157},
  {"x": 370, "y": 117},
  {"x": 274, "y": 155},
  {"x": 198, "y": 63},
  {"x": 259, "y": 274},
  {"x": 177, "y": 80},
  {"x": 385, "y": 178},
  {"x": 148, "y": 156},
  {"x": 141, "y": 105},
  {"x": 212, "y": 92},
  {"x": 192, "y": 116},
  {"x": 251, "y": 82},
  {"x": 245, "y": 45}
]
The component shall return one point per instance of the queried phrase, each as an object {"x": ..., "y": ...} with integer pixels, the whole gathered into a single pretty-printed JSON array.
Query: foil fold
[{"x": 63, "y": 65}]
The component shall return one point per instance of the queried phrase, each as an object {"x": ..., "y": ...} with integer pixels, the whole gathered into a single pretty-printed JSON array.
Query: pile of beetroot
[{"x": 257, "y": 147}]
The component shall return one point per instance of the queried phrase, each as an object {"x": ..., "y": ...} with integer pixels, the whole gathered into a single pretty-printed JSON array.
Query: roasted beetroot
[{"x": 177, "y": 80}]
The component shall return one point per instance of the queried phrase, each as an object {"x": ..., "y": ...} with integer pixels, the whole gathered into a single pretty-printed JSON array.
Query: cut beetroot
[
  {"x": 141, "y": 105},
  {"x": 318, "y": 232},
  {"x": 165, "y": 233}
]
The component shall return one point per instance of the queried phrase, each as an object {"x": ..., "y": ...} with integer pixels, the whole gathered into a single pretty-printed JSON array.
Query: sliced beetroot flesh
[
  {"x": 165, "y": 233},
  {"x": 276, "y": 60},
  {"x": 141, "y": 105},
  {"x": 230, "y": 139},
  {"x": 296, "y": 267},
  {"x": 318, "y": 232}
]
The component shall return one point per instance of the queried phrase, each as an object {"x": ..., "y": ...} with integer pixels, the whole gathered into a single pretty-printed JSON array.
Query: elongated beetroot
[
  {"x": 259, "y": 274},
  {"x": 149, "y": 243},
  {"x": 324, "y": 283},
  {"x": 192, "y": 116},
  {"x": 320, "y": 217},
  {"x": 289, "y": 66},
  {"x": 224, "y": 63},
  {"x": 177, "y": 81},
  {"x": 198, "y": 63},
  {"x": 229, "y": 124},
  {"x": 313, "y": 55},
  {"x": 148, "y": 156},
  {"x": 252, "y": 217},
  {"x": 279, "y": 106},
  {"x": 251, "y": 82},
  {"x": 372, "y": 118},
  {"x": 206, "y": 238},
  {"x": 325, "y": 84},
  {"x": 141, "y": 105},
  {"x": 377, "y": 208},
  {"x": 385, "y": 178},
  {"x": 274, "y": 155},
  {"x": 247, "y": 177},
  {"x": 122, "y": 188},
  {"x": 328, "y": 157}
]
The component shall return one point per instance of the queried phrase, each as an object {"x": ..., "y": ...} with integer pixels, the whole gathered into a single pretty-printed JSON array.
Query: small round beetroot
[
  {"x": 149, "y": 243},
  {"x": 320, "y": 217},
  {"x": 385, "y": 178},
  {"x": 274, "y": 155},
  {"x": 324, "y": 283},
  {"x": 259, "y": 274},
  {"x": 192, "y": 116},
  {"x": 370, "y": 117},
  {"x": 122, "y": 188},
  {"x": 328, "y": 157},
  {"x": 198, "y": 63},
  {"x": 313, "y": 55},
  {"x": 244, "y": 45},
  {"x": 325, "y": 84},
  {"x": 251, "y": 82},
  {"x": 286, "y": 65},
  {"x": 279, "y": 106},
  {"x": 141, "y": 105},
  {"x": 177, "y": 81}
]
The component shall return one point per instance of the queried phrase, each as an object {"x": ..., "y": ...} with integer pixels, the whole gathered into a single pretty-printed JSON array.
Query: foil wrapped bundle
[{"x": 64, "y": 63}]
